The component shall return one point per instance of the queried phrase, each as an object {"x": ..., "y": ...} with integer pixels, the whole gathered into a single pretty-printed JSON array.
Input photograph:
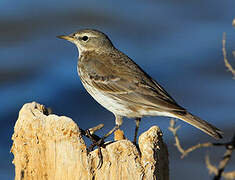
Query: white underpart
[
  {"x": 109, "y": 103},
  {"x": 121, "y": 109}
]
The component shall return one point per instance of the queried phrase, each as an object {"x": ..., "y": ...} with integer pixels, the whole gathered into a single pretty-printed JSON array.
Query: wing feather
[{"x": 134, "y": 86}]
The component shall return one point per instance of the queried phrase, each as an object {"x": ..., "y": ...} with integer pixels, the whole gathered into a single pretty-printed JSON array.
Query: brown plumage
[{"x": 121, "y": 86}]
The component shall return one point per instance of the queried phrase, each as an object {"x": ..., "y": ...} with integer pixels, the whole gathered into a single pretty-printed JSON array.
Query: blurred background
[{"x": 177, "y": 42}]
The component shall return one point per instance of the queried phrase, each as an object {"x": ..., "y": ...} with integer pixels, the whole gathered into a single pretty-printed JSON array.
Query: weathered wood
[{"x": 51, "y": 147}]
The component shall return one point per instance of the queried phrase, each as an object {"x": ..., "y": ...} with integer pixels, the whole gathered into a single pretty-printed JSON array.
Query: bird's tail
[{"x": 200, "y": 124}]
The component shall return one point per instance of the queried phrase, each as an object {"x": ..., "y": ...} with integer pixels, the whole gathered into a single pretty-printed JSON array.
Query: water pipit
[{"x": 121, "y": 86}]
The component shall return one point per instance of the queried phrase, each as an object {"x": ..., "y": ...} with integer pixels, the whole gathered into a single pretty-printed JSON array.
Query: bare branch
[
  {"x": 174, "y": 129},
  {"x": 227, "y": 64},
  {"x": 230, "y": 146},
  {"x": 212, "y": 169},
  {"x": 184, "y": 153},
  {"x": 219, "y": 171}
]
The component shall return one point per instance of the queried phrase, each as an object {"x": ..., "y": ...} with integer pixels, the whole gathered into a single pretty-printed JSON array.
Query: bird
[{"x": 122, "y": 87}]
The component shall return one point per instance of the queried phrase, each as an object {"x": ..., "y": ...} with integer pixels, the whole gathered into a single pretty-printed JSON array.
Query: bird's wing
[{"x": 131, "y": 85}]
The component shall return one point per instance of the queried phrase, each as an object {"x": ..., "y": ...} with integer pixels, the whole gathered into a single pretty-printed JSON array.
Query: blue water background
[{"x": 176, "y": 42}]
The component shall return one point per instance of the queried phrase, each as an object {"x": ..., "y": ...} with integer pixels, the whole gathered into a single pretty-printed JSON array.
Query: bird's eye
[{"x": 84, "y": 38}]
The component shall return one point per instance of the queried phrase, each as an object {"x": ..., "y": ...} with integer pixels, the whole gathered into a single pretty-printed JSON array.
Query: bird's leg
[{"x": 137, "y": 125}]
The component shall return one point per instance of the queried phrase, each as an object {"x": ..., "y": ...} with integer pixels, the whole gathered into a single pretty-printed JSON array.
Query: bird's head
[{"x": 89, "y": 40}]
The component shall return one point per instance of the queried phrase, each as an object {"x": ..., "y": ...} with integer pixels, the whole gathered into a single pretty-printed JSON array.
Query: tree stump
[{"x": 51, "y": 147}]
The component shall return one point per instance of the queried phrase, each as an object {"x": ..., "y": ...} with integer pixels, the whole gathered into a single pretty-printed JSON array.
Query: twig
[
  {"x": 184, "y": 153},
  {"x": 219, "y": 171},
  {"x": 226, "y": 158},
  {"x": 227, "y": 64},
  {"x": 230, "y": 146}
]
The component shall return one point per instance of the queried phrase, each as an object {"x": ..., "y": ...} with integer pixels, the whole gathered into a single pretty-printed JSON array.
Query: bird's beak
[{"x": 68, "y": 38}]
